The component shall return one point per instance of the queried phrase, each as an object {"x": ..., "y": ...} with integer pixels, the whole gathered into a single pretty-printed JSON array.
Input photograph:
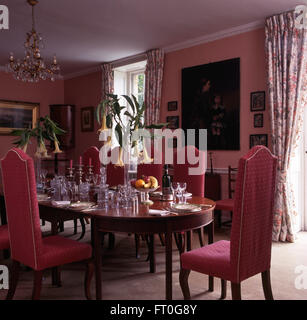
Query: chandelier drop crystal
[{"x": 33, "y": 68}]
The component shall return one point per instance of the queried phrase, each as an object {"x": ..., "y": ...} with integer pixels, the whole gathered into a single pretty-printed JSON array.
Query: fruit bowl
[{"x": 145, "y": 194}]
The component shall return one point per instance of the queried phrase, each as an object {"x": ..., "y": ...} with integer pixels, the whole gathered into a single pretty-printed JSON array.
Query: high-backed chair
[
  {"x": 227, "y": 204},
  {"x": 195, "y": 183},
  {"x": 115, "y": 174},
  {"x": 93, "y": 153},
  {"x": 4, "y": 238},
  {"x": 26, "y": 242},
  {"x": 249, "y": 250}
]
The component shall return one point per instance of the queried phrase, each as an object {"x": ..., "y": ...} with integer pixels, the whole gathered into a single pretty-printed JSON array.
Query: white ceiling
[{"x": 85, "y": 33}]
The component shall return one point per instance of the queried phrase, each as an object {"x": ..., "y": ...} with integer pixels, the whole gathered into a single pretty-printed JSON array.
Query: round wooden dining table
[{"x": 139, "y": 220}]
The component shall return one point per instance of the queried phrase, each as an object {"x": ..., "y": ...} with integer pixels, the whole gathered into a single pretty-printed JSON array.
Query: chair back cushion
[
  {"x": 93, "y": 153},
  {"x": 252, "y": 222},
  {"x": 19, "y": 187},
  {"x": 195, "y": 183},
  {"x": 152, "y": 169}
]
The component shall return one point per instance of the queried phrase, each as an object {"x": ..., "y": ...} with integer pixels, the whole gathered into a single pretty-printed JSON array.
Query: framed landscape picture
[
  {"x": 258, "y": 139},
  {"x": 17, "y": 115},
  {"x": 87, "y": 119},
  {"x": 211, "y": 100},
  {"x": 258, "y": 101}
]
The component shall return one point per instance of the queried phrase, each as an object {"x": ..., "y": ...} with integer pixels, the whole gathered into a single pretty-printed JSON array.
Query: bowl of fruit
[{"x": 145, "y": 185}]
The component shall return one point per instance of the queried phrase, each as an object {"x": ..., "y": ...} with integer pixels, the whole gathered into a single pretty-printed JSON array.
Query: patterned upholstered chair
[
  {"x": 26, "y": 242},
  {"x": 93, "y": 153},
  {"x": 115, "y": 174},
  {"x": 249, "y": 250},
  {"x": 195, "y": 183}
]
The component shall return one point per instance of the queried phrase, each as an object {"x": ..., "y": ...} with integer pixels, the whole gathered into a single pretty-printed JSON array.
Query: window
[{"x": 128, "y": 80}]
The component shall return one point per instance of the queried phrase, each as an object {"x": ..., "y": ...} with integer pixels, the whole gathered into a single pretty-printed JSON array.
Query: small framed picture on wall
[
  {"x": 258, "y": 120},
  {"x": 257, "y": 101},
  {"x": 172, "y": 106},
  {"x": 173, "y": 122},
  {"x": 258, "y": 139},
  {"x": 87, "y": 119}
]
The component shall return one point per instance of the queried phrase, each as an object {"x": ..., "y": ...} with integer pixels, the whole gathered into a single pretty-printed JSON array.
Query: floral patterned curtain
[
  {"x": 287, "y": 87},
  {"x": 107, "y": 80},
  {"x": 153, "y": 85}
]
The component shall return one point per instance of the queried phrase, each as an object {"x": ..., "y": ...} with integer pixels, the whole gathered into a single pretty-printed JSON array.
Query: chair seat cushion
[
  {"x": 4, "y": 238},
  {"x": 213, "y": 260},
  {"x": 58, "y": 250},
  {"x": 225, "y": 204}
]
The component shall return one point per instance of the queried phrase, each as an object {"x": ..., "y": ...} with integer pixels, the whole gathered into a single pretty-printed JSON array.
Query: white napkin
[
  {"x": 60, "y": 203},
  {"x": 154, "y": 212}
]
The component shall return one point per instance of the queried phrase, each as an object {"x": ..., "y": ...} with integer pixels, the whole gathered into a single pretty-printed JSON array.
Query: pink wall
[
  {"x": 249, "y": 47},
  {"x": 83, "y": 91},
  {"x": 43, "y": 92}
]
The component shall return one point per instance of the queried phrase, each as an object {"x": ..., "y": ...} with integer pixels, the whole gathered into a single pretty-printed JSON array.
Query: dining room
[{"x": 153, "y": 150}]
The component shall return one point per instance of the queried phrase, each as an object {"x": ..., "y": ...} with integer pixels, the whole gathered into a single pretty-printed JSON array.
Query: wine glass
[
  {"x": 182, "y": 188},
  {"x": 96, "y": 178},
  {"x": 175, "y": 189}
]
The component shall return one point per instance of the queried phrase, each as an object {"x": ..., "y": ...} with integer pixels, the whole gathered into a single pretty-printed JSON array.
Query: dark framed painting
[
  {"x": 258, "y": 120},
  {"x": 172, "y": 106},
  {"x": 17, "y": 115},
  {"x": 257, "y": 101},
  {"x": 87, "y": 119},
  {"x": 173, "y": 122},
  {"x": 258, "y": 139},
  {"x": 211, "y": 100}
]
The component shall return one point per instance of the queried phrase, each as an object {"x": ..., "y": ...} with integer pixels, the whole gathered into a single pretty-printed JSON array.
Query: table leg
[
  {"x": 97, "y": 256},
  {"x": 210, "y": 240},
  {"x": 189, "y": 240},
  {"x": 55, "y": 277},
  {"x": 152, "y": 254},
  {"x": 168, "y": 265}
]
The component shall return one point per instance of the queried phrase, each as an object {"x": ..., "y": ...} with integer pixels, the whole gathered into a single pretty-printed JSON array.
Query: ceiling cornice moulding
[{"x": 215, "y": 36}]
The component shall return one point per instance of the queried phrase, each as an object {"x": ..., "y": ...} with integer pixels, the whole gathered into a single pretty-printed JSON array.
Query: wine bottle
[{"x": 166, "y": 185}]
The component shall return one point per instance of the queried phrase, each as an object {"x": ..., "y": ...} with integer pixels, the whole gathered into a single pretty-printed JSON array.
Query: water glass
[
  {"x": 182, "y": 188},
  {"x": 84, "y": 189},
  {"x": 175, "y": 190},
  {"x": 103, "y": 198}
]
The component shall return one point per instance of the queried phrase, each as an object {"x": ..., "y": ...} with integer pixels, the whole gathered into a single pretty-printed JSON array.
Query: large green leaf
[
  {"x": 130, "y": 103},
  {"x": 118, "y": 129}
]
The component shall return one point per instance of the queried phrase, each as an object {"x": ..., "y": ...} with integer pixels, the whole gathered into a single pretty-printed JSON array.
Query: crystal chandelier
[{"x": 33, "y": 68}]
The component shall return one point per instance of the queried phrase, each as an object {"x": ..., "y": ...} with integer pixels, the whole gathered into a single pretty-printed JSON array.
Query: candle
[
  {"x": 70, "y": 164},
  {"x": 90, "y": 161},
  {"x": 80, "y": 160}
]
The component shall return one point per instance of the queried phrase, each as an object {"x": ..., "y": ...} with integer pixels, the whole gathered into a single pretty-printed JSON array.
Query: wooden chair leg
[
  {"x": 152, "y": 254},
  {"x": 224, "y": 289},
  {"x": 83, "y": 228},
  {"x": 137, "y": 245},
  {"x": 162, "y": 240},
  {"x": 90, "y": 267},
  {"x": 56, "y": 276},
  {"x": 14, "y": 276},
  {"x": 111, "y": 241},
  {"x": 87, "y": 220},
  {"x": 211, "y": 283},
  {"x": 266, "y": 284},
  {"x": 184, "y": 284},
  {"x": 37, "y": 285},
  {"x": 200, "y": 237},
  {"x": 189, "y": 240},
  {"x": 236, "y": 291},
  {"x": 61, "y": 226}
]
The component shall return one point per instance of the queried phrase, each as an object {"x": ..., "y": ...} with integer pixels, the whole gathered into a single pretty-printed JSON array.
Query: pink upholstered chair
[
  {"x": 115, "y": 174},
  {"x": 93, "y": 153},
  {"x": 195, "y": 183},
  {"x": 4, "y": 238},
  {"x": 249, "y": 250},
  {"x": 26, "y": 242}
]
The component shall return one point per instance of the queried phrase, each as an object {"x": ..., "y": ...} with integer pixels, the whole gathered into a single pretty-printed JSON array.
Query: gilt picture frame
[
  {"x": 17, "y": 115},
  {"x": 87, "y": 119}
]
